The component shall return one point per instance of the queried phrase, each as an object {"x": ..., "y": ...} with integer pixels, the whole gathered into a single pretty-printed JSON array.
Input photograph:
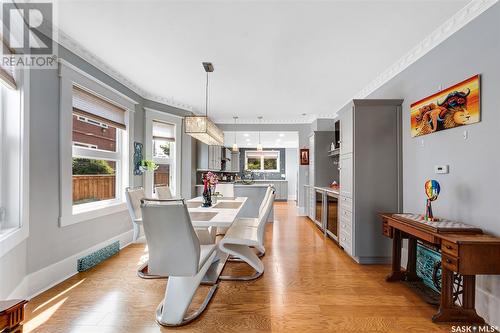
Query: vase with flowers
[{"x": 210, "y": 181}]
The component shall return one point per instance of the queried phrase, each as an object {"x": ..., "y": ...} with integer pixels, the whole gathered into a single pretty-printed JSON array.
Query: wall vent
[{"x": 98, "y": 256}]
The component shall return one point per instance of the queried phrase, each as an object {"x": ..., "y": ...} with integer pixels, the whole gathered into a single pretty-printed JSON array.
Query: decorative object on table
[
  {"x": 304, "y": 156},
  {"x": 201, "y": 127},
  {"x": 148, "y": 165},
  {"x": 137, "y": 158},
  {"x": 455, "y": 106},
  {"x": 247, "y": 177},
  {"x": 207, "y": 197},
  {"x": 334, "y": 185},
  {"x": 332, "y": 146},
  {"x": 432, "y": 190}
]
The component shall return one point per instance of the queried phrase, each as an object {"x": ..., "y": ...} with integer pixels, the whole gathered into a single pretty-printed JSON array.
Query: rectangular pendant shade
[{"x": 203, "y": 129}]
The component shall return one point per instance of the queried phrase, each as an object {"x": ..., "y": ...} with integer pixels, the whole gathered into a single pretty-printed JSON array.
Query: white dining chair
[
  {"x": 255, "y": 222},
  {"x": 133, "y": 196},
  {"x": 163, "y": 192},
  {"x": 174, "y": 251},
  {"x": 240, "y": 239}
]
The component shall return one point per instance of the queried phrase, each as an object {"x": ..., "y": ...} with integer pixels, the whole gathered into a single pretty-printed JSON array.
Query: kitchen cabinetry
[
  {"x": 209, "y": 157},
  {"x": 235, "y": 161},
  {"x": 370, "y": 175},
  {"x": 322, "y": 169}
]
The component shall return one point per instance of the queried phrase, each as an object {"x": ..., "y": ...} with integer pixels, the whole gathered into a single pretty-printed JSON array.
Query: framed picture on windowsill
[{"x": 304, "y": 156}]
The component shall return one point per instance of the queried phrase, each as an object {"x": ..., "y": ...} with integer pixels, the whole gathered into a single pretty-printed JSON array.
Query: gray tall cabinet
[{"x": 370, "y": 176}]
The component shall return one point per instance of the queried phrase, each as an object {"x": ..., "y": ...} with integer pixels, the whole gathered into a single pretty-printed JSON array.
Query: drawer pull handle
[
  {"x": 449, "y": 247},
  {"x": 448, "y": 261}
]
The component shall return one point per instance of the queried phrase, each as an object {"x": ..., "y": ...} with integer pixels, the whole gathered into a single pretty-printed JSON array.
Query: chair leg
[
  {"x": 247, "y": 255},
  {"x": 260, "y": 254},
  {"x": 142, "y": 272},
  {"x": 137, "y": 232},
  {"x": 178, "y": 296}
]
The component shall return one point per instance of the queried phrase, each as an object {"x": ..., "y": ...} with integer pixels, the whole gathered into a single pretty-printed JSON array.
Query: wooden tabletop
[{"x": 437, "y": 227}]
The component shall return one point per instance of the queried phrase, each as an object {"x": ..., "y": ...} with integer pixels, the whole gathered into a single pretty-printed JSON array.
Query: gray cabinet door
[
  {"x": 346, "y": 131},
  {"x": 346, "y": 175}
]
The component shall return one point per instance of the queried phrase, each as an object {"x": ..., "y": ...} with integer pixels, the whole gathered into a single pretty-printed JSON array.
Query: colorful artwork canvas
[{"x": 455, "y": 106}]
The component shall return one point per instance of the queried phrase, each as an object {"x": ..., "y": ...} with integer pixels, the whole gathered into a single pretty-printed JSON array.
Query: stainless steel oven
[{"x": 332, "y": 224}]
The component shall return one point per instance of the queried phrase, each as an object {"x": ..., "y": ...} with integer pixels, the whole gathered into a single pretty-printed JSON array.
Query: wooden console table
[
  {"x": 12, "y": 315},
  {"x": 464, "y": 250}
]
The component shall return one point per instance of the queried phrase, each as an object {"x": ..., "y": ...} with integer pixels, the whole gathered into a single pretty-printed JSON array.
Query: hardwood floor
[{"x": 309, "y": 285}]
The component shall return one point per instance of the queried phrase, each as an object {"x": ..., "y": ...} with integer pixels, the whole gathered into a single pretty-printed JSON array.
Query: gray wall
[
  {"x": 48, "y": 243},
  {"x": 469, "y": 193}
]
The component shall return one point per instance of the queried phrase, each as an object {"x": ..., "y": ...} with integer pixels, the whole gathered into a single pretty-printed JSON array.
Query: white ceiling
[
  {"x": 278, "y": 59},
  {"x": 267, "y": 139}
]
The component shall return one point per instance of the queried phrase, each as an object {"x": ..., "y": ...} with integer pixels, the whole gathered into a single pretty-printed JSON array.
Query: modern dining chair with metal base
[
  {"x": 241, "y": 240},
  {"x": 254, "y": 222},
  {"x": 175, "y": 251}
]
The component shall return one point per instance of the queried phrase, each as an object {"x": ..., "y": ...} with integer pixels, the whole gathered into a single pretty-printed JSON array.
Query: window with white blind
[
  {"x": 95, "y": 132},
  {"x": 163, "y": 152},
  {"x": 98, "y": 128}
]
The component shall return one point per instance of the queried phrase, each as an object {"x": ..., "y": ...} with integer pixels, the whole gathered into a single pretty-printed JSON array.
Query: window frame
[
  {"x": 70, "y": 214},
  {"x": 9, "y": 240},
  {"x": 175, "y": 168},
  {"x": 262, "y": 155}
]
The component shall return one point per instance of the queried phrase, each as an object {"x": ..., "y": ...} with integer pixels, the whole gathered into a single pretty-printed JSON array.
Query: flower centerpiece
[{"x": 210, "y": 181}]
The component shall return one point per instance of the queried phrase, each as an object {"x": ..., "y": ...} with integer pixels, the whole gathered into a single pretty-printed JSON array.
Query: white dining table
[{"x": 221, "y": 214}]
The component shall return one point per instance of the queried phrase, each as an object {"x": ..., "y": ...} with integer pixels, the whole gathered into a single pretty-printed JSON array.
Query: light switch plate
[{"x": 441, "y": 169}]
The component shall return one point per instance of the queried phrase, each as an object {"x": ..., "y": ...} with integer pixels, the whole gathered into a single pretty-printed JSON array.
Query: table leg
[
  {"x": 396, "y": 274},
  {"x": 448, "y": 311},
  {"x": 411, "y": 266}
]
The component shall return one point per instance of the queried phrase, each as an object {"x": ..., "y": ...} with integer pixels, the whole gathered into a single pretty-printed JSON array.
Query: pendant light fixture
[
  {"x": 259, "y": 145},
  {"x": 235, "y": 145},
  {"x": 201, "y": 127}
]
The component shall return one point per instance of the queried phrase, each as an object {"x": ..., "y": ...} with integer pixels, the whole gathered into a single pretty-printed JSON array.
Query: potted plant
[{"x": 148, "y": 165}]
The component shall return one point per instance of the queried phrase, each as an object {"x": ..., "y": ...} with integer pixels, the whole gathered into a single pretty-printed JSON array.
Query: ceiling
[
  {"x": 289, "y": 61},
  {"x": 267, "y": 139}
]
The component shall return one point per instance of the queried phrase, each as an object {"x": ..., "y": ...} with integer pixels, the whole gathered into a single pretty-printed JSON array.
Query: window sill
[
  {"x": 83, "y": 215},
  {"x": 11, "y": 237}
]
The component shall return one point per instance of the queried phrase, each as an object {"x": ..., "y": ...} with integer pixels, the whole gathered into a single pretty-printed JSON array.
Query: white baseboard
[
  {"x": 301, "y": 211},
  {"x": 372, "y": 260},
  {"x": 37, "y": 282},
  {"x": 292, "y": 197}
]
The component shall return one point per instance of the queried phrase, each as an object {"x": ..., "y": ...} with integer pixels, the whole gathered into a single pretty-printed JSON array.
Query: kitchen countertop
[{"x": 324, "y": 188}]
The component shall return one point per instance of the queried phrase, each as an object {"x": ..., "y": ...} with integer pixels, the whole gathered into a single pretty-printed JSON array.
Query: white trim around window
[
  {"x": 262, "y": 155},
  {"x": 18, "y": 152},
  {"x": 154, "y": 115},
  {"x": 69, "y": 214}
]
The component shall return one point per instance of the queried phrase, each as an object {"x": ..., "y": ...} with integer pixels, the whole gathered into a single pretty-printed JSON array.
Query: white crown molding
[
  {"x": 82, "y": 52},
  {"x": 448, "y": 28}
]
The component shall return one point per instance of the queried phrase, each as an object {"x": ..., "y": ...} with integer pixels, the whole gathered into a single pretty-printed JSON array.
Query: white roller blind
[
  {"x": 163, "y": 131},
  {"x": 89, "y": 105}
]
